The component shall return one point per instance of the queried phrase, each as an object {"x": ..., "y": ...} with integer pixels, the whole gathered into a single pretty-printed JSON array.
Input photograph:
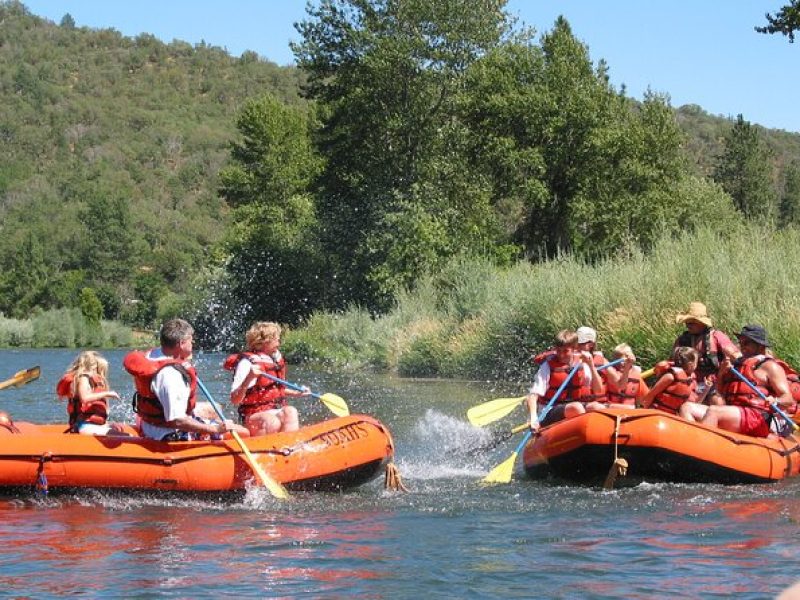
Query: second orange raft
[{"x": 659, "y": 447}]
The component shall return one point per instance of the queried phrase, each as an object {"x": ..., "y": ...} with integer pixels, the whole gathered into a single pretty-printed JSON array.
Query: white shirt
[
  {"x": 244, "y": 366},
  {"x": 542, "y": 380},
  {"x": 172, "y": 391}
]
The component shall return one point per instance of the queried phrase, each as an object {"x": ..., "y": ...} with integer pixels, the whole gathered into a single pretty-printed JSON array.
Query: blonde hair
[
  {"x": 622, "y": 351},
  {"x": 565, "y": 337},
  {"x": 88, "y": 363},
  {"x": 261, "y": 332}
]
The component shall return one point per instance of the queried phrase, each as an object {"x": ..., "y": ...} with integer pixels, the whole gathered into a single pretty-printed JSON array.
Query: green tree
[
  {"x": 790, "y": 199},
  {"x": 91, "y": 307},
  {"x": 786, "y": 21},
  {"x": 394, "y": 197},
  {"x": 744, "y": 171},
  {"x": 274, "y": 263},
  {"x": 67, "y": 21}
]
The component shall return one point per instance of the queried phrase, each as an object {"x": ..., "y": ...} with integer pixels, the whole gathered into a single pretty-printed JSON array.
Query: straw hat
[{"x": 697, "y": 312}]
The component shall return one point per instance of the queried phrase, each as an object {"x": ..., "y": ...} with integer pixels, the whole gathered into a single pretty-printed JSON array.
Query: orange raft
[
  {"x": 656, "y": 446},
  {"x": 337, "y": 453}
]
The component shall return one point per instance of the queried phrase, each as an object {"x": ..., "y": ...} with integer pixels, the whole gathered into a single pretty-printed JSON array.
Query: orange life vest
[
  {"x": 144, "y": 369},
  {"x": 635, "y": 388},
  {"x": 738, "y": 393},
  {"x": 264, "y": 394},
  {"x": 95, "y": 412},
  {"x": 682, "y": 388},
  {"x": 578, "y": 389}
]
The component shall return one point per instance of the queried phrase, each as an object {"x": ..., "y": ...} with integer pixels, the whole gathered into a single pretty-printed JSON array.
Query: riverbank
[
  {"x": 473, "y": 320},
  {"x": 65, "y": 328}
]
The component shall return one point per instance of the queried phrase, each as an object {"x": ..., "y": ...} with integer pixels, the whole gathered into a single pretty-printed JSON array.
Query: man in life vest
[
  {"x": 166, "y": 389},
  {"x": 747, "y": 412},
  {"x": 553, "y": 372},
  {"x": 712, "y": 345}
]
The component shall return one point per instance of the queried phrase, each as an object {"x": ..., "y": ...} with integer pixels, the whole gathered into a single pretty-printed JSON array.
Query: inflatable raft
[
  {"x": 655, "y": 446},
  {"x": 334, "y": 454}
]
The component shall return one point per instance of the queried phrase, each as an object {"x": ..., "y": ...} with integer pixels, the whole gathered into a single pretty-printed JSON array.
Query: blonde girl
[{"x": 85, "y": 387}]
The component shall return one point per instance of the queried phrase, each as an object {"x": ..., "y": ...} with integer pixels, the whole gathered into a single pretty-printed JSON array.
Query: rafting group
[
  {"x": 165, "y": 400},
  {"x": 708, "y": 379},
  {"x": 181, "y": 443}
]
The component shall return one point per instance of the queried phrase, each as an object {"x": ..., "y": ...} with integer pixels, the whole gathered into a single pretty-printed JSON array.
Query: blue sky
[{"x": 701, "y": 52}]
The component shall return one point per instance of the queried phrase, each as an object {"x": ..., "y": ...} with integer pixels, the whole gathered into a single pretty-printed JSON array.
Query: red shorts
[{"x": 752, "y": 422}]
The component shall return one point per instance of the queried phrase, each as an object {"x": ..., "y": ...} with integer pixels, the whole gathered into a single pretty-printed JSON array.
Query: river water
[{"x": 449, "y": 537}]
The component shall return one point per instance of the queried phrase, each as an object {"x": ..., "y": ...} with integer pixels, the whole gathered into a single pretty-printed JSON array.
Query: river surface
[{"x": 449, "y": 537}]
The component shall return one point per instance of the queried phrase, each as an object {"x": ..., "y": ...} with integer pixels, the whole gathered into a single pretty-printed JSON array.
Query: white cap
[{"x": 586, "y": 334}]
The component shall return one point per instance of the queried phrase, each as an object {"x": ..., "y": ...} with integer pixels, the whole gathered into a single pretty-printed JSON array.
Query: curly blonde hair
[
  {"x": 88, "y": 363},
  {"x": 260, "y": 333}
]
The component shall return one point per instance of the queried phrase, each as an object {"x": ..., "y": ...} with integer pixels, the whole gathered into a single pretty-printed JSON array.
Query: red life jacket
[
  {"x": 738, "y": 393},
  {"x": 794, "y": 385},
  {"x": 264, "y": 394},
  {"x": 144, "y": 369},
  {"x": 628, "y": 394},
  {"x": 682, "y": 388},
  {"x": 95, "y": 412},
  {"x": 578, "y": 389}
]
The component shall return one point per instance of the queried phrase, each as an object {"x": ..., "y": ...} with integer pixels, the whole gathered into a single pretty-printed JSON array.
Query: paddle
[
  {"x": 502, "y": 472},
  {"x": 494, "y": 410},
  {"x": 274, "y": 487},
  {"x": 20, "y": 378},
  {"x": 335, "y": 404},
  {"x": 773, "y": 405}
]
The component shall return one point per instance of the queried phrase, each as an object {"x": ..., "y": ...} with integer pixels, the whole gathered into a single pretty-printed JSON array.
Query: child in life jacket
[
  {"x": 85, "y": 388},
  {"x": 260, "y": 400},
  {"x": 624, "y": 385},
  {"x": 675, "y": 390}
]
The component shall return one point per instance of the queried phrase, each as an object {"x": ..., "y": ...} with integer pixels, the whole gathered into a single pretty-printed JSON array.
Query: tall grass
[
  {"x": 473, "y": 320},
  {"x": 62, "y": 328}
]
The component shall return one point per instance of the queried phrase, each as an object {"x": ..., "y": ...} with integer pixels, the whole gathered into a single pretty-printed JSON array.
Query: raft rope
[
  {"x": 619, "y": 468},
  {"x": 392, "y": 480},
  {"x": 41, "y": 479}
]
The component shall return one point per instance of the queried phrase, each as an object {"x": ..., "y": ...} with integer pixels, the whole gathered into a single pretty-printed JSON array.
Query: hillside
[
  {"x": 108, "y": 167},
  {"x": 111, "y": 152}
]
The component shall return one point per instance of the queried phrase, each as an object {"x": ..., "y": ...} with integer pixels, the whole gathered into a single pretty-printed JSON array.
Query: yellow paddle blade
[
  {"x": 274, "y": 487},
  {"x": 502, "y": 472},
  {"x": 491, "y": 411},
  {"x": 648, "y": 373},
  {"x": 335, "y": 404},
  {"x": 20, "y": 378}
]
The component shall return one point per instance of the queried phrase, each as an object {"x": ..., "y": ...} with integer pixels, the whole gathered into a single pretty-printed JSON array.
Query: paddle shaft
[
  {"x": 274, "y": 487},
  {"x": 292, "y": 386},
  {"x": 529, "y": 433},
  {"x": 773, "y": 405},
  {"x": 560, "y": 389}
]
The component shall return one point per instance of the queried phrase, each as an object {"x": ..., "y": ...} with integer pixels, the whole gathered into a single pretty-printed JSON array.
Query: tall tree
[
  {"x": 394, "y": 197},
  {"x": 744, "y": 171},
  {"x": 274, "y": 255},
  {"x": 786, "y": 21}
]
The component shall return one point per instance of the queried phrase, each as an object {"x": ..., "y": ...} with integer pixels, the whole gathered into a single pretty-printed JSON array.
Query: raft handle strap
[{"x": 620, "y": 466}]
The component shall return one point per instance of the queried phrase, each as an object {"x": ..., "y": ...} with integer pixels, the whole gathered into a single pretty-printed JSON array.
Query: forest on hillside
[{"x": 154, "y": 179}]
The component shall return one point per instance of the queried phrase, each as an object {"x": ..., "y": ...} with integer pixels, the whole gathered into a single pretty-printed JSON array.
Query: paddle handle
[
  {"x": 773, "y": 405},
  {"x": 292, "y": 386}
]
